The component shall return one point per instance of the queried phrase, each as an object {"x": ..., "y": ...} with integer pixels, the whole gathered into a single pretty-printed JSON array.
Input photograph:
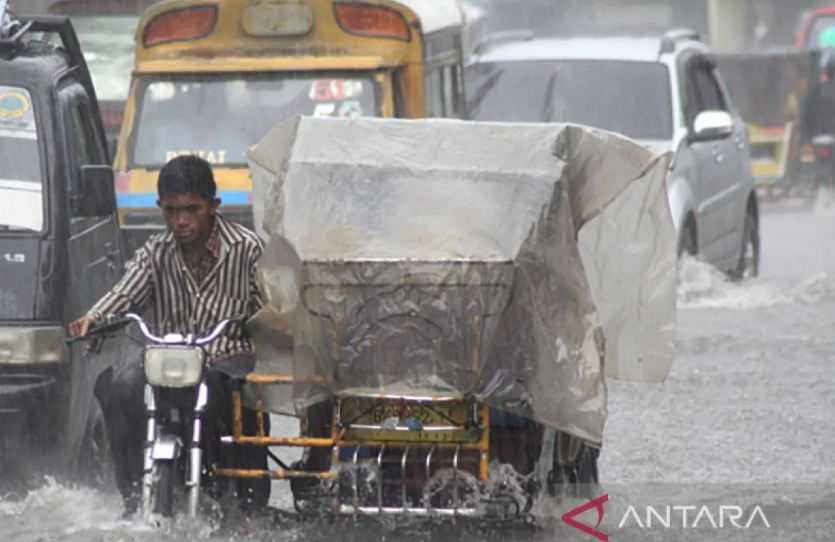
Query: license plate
[{"x": 406, "y": 421}]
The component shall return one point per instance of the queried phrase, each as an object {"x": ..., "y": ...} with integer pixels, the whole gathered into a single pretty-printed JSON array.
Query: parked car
[{"x": 666, "y": 93}]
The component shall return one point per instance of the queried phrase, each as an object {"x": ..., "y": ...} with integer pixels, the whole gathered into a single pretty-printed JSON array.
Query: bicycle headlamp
[{"x": 173, "y": 366}]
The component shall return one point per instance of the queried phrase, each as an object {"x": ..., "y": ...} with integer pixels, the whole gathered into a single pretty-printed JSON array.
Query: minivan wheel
[
  {"x": 749, "y": 256},
  {"x": 687, "y": 241}
]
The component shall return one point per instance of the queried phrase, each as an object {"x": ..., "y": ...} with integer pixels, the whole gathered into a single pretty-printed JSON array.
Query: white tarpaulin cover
[{"x": 452, "y": 258}]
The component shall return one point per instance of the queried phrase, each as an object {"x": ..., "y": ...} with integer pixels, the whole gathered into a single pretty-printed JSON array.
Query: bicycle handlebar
[
  {"x": 113, "y": 324},
  {"x": 108, "y": 326},
  {"x": 186, "y": 339}
]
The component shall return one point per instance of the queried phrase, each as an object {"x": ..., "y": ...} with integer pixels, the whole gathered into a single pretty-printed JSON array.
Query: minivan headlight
[
  {"x": 24, "y": 345},
  {"x": 173, "y": 366}
]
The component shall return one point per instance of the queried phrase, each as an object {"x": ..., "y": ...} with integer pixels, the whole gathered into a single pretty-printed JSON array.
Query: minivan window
[{"x": 21, "y": 182}]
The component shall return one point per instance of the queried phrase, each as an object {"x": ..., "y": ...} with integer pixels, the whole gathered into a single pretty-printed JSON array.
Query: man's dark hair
[{"x": 188, "y": 174}]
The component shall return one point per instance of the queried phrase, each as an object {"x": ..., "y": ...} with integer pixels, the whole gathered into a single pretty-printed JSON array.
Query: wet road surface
[{"x": 746, "y": 419}]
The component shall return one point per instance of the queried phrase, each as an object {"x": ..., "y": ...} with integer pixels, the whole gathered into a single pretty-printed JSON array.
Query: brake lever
[{"x": 96, "y": 332}]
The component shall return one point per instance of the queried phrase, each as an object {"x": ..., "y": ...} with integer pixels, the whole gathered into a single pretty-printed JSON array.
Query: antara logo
[
  {"x": 692, "y": 517},
  {"x": 669, "y": 517},
  {"x": 597, "y": 505}
]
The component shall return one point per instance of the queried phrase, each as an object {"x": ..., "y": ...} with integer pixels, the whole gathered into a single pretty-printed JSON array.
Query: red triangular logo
[{"x": 596, "y": 504}]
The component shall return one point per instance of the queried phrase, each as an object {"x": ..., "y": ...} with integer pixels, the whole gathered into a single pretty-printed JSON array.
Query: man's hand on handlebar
[{"x": 81, "y": 327}]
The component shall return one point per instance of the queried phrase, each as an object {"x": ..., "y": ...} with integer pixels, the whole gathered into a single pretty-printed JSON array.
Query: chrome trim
[
  {"x": 380, "y": 478},
  {"x": 355, "y": 477},
  {"x": 402, "y": 429},
  {"x": 717, "y": 199},
  {"x": 165, "y": 447},
  {"x": 456, "y": 498},
  {"x": 413, "y": 398},
  {"x": 144, "y": 327},
  {"x": 193, "y": 483},
  {"x": 372, "y": 510},
  {"x": 427, "y": 500},
  {"x": 403, "y": 478},
  {"x": 196, "y": 431},
  {"x": 150, "y": 400},
  {"x": 202, "y": 398}
]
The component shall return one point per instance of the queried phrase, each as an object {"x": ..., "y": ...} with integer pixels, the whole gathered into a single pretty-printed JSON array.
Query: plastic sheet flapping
[{"x": 517, "y": 263}]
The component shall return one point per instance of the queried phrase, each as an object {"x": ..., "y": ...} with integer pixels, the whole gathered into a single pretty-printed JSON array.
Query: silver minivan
[{"x": 665, "y": 93}]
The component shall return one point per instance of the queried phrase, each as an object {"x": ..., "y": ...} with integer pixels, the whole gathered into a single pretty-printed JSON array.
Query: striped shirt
[
  {"x": 201, "y": 268},
  {"x": 158, "y": 281}
]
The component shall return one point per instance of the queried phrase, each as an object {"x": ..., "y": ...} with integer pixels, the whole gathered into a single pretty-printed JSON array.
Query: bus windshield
[{"x": 219, "y": 117}]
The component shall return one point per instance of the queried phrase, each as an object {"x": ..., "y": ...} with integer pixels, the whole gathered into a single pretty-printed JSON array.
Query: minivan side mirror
[
  {"x": 97, "y": 193},
  {"x": 712, "y": 125}
]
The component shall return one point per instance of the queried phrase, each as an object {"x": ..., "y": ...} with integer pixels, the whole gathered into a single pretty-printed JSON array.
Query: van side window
[
  {"x": 81, "y": 144},
  {"x": 81, "y": 136}
]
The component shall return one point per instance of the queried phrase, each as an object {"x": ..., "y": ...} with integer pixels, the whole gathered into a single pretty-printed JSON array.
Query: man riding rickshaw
[{"x": 438, "y": 304}]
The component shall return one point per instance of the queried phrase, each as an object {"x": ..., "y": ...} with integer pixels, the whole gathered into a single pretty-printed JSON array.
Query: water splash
[
  {"x": 59, "y": 511},
  {"x": 444, "y": 483},
  {"x": 701, "y": 286},
  {"x": 818, "y": 288}
]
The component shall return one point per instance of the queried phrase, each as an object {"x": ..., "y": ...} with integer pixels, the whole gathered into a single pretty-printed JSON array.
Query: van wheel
[
  {"x": 749, "y": 256},
  {"x": 96, "y": 457}
]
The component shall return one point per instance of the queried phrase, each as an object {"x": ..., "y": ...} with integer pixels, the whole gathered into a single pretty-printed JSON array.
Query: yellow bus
[{"x": 212, "y": 76}]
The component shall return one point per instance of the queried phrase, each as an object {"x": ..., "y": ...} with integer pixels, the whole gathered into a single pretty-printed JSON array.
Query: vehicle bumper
[{"x": 33, "y": 403}]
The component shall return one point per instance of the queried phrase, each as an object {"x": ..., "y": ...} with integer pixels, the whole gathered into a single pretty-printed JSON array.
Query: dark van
[{"x": 59, "y": 244}]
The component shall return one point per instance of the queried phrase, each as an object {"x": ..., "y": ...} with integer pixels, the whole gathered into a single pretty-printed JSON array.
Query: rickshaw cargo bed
[{"x": 518, "y": 265}]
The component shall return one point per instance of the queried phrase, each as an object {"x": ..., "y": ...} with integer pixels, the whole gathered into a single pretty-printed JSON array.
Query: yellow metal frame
[{"x": 335, "y": 441}]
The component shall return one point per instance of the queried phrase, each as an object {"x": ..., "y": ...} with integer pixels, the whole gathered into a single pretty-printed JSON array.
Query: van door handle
[
  {"x": 717, "y": 155},
  {"x": 111, "y": 253},
  {"x": 740, "y": 143}
]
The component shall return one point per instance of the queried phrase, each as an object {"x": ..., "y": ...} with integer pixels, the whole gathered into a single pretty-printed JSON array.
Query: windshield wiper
[
  {"x": 550, "y": 92},
  {"x": 482, "y": 91}
]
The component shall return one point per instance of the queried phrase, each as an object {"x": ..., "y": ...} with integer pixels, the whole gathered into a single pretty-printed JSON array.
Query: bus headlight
[{"x": 173, "y": 366}]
